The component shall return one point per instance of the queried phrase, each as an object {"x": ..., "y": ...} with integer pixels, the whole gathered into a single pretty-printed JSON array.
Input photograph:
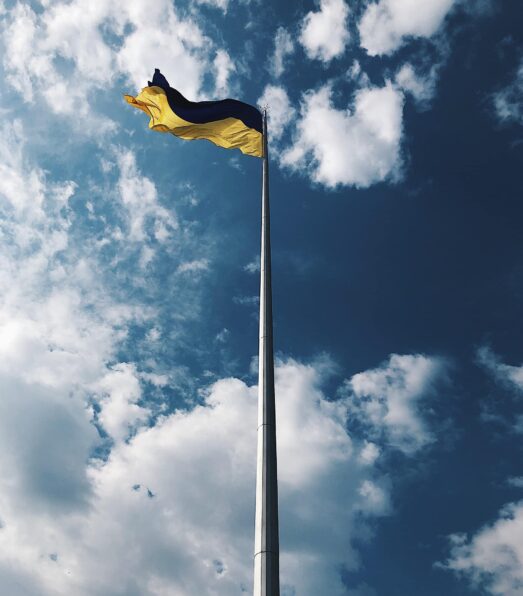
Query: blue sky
[{"x": 129, "y": 283}]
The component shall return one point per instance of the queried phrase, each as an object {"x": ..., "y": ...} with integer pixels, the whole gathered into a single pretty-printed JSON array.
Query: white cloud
[
  {"x": 34, "y": 45},
  {"x": 508, "y": 102},
  {"x": 387, "y": 24},
  {"x": 511, "y": 376},
  {"x": 161, "y": 39},
  {"x": 253, "y": 266},
  {"x": 21, "y": 188},
  {"x": 221, "y": 4},
  {"x": 118, "y": 392},
  {"x": 283, "y": 47},
  {"x": 49, "y": 336},
  {"x": 46, "y": 437},
  {"x": 223, "y": 66},
  {"x": 145, "y": 215},
  {"x": 17, "y": 38},
  {"x": 57, "y": 345},
  {"x": 356, "y": 74},
  {"x": 154, "y": 493},
  {"x": 370, "y": 453},
  {"x": 65, "y": 54},
  {"x": 492, "y": 559},
  {"x": 280, "y": 111},
  {"x": 421, "y": 87},
  {"x": 357, "y": 146},
  {"x": 59, "y": 327},
  {"x": 195, "y": 266},
  {"x": 324, "y": 34},
  {"x": 387, "y": 400}
]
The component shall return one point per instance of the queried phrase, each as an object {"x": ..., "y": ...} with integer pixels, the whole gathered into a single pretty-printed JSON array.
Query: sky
[{"x": 129, "y": 298}]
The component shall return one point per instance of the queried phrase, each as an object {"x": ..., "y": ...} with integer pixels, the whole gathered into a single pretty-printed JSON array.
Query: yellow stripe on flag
[{"x": 230, "y": 133}]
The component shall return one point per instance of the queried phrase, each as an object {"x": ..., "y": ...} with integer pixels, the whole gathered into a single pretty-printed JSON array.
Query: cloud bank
[
  {"x": 170, "y": 509},
  {"x": 492, "y": 559}
]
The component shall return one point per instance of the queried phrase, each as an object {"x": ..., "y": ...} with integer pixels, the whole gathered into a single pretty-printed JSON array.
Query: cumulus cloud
[
  {"x": 154, "y": 493},
  {"x": 388, "y": 400},
  {"x": 387, "y": 24},
  {"x": 508, "y": 102},
  {"x": 492, "y": 559},
  {"x": 356, "y": 146},
  {"x": 283, "y": 47},
  {"x": 324, "y": 34},
  {"x": 280, "y": 110}
]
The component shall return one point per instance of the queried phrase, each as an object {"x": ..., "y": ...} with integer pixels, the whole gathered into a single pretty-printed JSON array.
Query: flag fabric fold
[{"x": 228, "y": 123}]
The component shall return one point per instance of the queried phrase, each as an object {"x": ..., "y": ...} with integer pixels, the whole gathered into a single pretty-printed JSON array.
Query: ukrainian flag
[{"x": 228, "y": 123}]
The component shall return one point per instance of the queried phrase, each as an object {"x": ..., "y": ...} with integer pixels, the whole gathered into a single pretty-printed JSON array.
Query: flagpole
[{"x": 266, "y": 541}]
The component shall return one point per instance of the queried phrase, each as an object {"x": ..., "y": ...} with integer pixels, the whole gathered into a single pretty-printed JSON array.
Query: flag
[{"x": 227, "y": 123}]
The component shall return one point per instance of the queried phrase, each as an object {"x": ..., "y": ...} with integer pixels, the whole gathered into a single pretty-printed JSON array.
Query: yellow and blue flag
[{"x": 227, "y": 123}]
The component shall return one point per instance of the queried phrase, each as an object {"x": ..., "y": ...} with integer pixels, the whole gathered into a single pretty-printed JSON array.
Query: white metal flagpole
[{"x": 266, "y": 542}]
